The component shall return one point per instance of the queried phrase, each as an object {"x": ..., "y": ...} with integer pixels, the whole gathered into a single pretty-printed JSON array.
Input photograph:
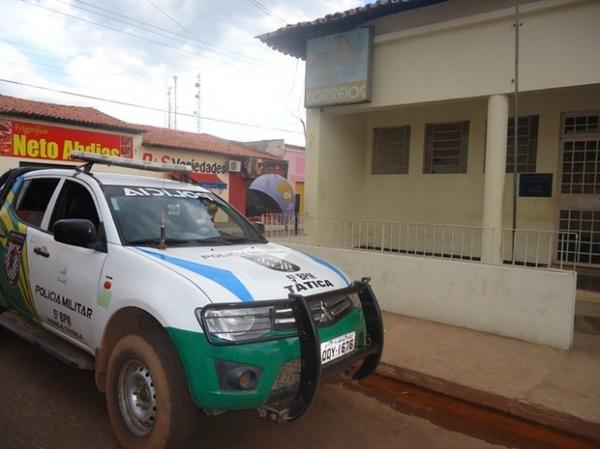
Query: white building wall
[
  {"x": 335, "y": 175},
  {"x": 458, "y": 198},
  {"x": 436, "y": 71},
  {"x": 527, "y": 304},
  {"x": 474, "y": 56}
]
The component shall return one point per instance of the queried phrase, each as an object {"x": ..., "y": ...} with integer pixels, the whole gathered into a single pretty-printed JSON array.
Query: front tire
[{"x": 148, "y": 402}]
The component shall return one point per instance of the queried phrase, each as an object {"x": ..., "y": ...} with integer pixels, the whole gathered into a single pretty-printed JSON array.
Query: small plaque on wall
[{"x": 535, "y": 185}]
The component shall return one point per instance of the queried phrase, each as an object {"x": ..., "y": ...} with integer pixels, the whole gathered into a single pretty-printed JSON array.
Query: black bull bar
[
  {"x": 310, "y": 346},
  {"x": 307, "y": 331}
]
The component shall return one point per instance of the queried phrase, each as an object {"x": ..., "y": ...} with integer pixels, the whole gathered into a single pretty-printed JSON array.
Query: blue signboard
[{"x": 535, "y": 185}]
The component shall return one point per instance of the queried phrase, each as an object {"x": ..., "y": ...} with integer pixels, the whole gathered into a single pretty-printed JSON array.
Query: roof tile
[
  {"x": 77, "y": 115},
  {"x": 152, "y": 136},
  {"x": 291, "y": 39},
  {"x": 184, "y": 140}
]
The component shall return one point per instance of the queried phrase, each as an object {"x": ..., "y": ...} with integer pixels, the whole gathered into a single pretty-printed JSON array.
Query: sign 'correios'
[{"x": 338, "y": 68}]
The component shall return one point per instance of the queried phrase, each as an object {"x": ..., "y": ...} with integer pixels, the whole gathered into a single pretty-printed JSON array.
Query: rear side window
[
  {"x": 33, "y": 199},
  {"x": 74, "y": 201}
]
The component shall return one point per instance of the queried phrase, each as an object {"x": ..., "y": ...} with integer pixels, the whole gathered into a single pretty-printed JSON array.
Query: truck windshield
[{"x": 189, "y": 217}]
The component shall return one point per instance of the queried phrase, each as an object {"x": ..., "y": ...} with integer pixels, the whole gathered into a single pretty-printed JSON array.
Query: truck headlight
[
  {"x": 236, "y": 324},
  {"x": 233, "y": 323}
]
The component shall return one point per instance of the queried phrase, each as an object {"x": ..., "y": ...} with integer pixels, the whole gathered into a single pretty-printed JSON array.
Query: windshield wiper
[
  {"x": 236, "y": 240},
  {"x": 205, "y": 241},
  {"x": 212, "y": 240},
  {"x": 156, "y": 241}
]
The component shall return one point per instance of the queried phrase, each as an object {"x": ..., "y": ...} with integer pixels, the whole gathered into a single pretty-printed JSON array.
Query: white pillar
[{"x": 495, "y": 175}]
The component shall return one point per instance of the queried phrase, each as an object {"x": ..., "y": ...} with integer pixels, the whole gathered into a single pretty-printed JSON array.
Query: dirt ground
[{"x": 47, "y": 405}]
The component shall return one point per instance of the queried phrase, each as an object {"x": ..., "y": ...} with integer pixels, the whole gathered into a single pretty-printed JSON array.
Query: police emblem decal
[
  {"x": 271, "y": 262},
  {"x": 12, "y": 257}
]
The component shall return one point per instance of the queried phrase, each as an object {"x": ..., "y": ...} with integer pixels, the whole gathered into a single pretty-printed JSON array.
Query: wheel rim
[{"x": 137, "y": 398}]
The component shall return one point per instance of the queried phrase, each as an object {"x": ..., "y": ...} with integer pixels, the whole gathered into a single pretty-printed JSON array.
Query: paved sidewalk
[{"x": 557, "y": 388}]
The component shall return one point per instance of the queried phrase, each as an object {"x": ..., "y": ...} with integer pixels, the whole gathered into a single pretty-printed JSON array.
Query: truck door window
[
  {"x": 33, "y": 199},
  {"x": 74, "y": 201}
]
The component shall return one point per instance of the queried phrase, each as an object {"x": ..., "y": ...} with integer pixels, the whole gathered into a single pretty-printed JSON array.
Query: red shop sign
[{"x": 34, "y": 141}]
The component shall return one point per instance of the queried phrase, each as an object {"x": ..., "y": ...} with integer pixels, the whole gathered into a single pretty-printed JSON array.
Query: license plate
[{"x": 338, "y": 347}]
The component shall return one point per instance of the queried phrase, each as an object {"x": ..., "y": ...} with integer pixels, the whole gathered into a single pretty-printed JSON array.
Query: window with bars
[
  {"x": 581, "y": 167},
  {"x": 581, "y": 124},
  {"x": 446, "y": 147},
  {"x": 526, "y": 145},
  {"x": 585, "y": 248},
  {"x": 391, "y": 148}
]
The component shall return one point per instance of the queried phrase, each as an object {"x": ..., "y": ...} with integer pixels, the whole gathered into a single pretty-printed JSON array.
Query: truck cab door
[{"x": 65, "y": 277}]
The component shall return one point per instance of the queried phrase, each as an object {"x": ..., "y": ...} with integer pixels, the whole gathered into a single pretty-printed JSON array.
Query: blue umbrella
[{"x": 278, "y": 188}]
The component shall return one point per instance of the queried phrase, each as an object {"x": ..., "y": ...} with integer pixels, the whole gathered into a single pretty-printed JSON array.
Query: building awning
[{"x": 206, "y": 180}]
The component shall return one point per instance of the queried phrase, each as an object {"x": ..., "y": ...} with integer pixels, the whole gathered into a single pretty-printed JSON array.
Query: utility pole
[
  {"x": 516, "y": 126},
  {"x": 175, "y": 101},
  {"x": 169, "y": 107},
  {"x": 198, "y": 98}
]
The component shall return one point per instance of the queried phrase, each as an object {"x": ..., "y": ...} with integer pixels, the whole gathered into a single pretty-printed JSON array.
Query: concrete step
[
  {"x": 587, "y": 316},
  {"x": 588, "y": 279}
]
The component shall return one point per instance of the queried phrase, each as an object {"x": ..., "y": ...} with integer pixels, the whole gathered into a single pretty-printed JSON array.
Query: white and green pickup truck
[{"x": 174, "y": 299}]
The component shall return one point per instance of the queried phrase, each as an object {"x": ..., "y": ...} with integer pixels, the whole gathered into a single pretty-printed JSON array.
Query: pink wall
[{"x": 295, "y": 160}]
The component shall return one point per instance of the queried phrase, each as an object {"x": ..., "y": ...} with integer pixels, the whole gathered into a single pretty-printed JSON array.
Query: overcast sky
[{"x": 86, "y": 46}]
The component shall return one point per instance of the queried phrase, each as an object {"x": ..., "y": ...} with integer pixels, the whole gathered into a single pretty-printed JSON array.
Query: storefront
[
  {"x": 222, "y": 166},
  {"x": 34, "y": 133},
  {"x": 45, "y": 134},
  {"x": 211, "y": 172}
]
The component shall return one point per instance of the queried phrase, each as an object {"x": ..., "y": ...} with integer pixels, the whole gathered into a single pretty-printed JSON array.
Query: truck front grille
[{"x": 325, "y": 312}]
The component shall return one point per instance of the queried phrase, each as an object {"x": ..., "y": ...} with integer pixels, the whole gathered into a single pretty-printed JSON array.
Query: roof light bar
[{"x": 93, "y": 158}]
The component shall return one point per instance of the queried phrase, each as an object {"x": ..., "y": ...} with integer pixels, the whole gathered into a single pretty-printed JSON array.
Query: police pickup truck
[{"x": 174, "y": 299}]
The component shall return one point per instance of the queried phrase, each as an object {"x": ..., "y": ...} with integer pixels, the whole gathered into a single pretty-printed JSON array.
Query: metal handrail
[{"x": 521, "y": 247}]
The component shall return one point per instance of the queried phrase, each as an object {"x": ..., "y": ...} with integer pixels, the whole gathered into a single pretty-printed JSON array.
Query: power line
[
  {"x": 255, "y": 62},
  {"x": 144, "y": 27},
  {"x": 57, "y": 65},
  {"x": 164, "y": 33},
  {"x": 250, "y": 64},
  {"x": 150, "y": 108},
  {"x": 168, "y": 16},
  {"x": 55, "y": 75},
  {"x": 133, "y": 19},
  {"x": 127, "y": 33},
  {"x": 195, "y": 38},
  {"x": 267, "y": 11},
  {"x": 49, "y": 71}
]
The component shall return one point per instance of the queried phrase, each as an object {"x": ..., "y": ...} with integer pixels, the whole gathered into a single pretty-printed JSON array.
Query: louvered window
[
  {"x": 446, "y": 147},
  {"x": 391, "y": 147},
  {"x": 527, "y": 145}
]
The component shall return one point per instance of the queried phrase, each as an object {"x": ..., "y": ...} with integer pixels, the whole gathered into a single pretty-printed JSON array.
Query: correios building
[{"x": 411, "y": 155}]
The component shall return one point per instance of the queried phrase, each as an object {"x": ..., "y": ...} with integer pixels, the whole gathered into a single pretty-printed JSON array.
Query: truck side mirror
[{"x": 75, "y": 231}]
